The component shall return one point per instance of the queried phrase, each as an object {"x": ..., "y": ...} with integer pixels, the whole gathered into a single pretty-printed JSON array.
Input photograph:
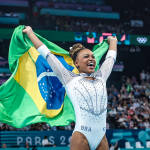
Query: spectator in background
[
  {"x": 136, "y": 93},
  {"x": 129, "y": 116},
  {"x": 39, "y": 9},
  {"x": 110, "y": 96},
  {"x": 147, "y": 77},
  {"x": 132, "y": 49},
  {"x": 54, "y": 128},
  {"x": 114, "y": 103},
  {"x": 123, "y": 88},
  {"x": 146, "y": 124},
  {"x": 137, "y": 86},
  {"x": 146, "y": 115},
  {"x": 115, "y": 92},
  {"x": 126, "y": 96},
  {"x": 113, "y": 112},
  {"x": 47, "y": 21},
  {"x": 113, "y": 147},
  {"x": 58, "y": 24},
  {"x": 123, "y": 79},
  {"x": 45, "y": 141},
  {"x": 51, "y": 4},
  {"x": 131, "y": 111},
  {"x": 52, "y": 22},
  {"x": 122, "y": 121},
  {"x": 4, "y": 76},
  {"x": 141, "y": 125},
  {"x": 72, "y": 125},
  {"x": 136, "y": 104},
  {"x": 125, "y": 104},
  {"x": 112, "y": 88},
  {"x": 68, "y": 127},
  {"x": 35, "y": 13},
  {"x": 66, "y": 26},
  {"x": 133, "y": 79},
  {"x": 137, "y": 49},
  {"x": 67, "y": 19},
  {"x": 120, "y": 109},
  {"x": 48, "y": 127},
  {"x": 1, "y": 58},
  {"x": 131, "y": 96},
  {"x": 142, "y": 75},
  {"x": 26, "y": 145},
  {"x": 4, "y": 145},
  {"x": 40, "y": 127},
  {"x": 147, "y": 91}
]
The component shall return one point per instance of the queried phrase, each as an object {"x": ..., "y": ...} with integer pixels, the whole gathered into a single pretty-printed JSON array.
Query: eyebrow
[{"x": 88, "y": 54}]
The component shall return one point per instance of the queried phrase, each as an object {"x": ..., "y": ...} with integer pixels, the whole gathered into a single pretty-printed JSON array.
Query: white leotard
[{"x": 89, "y": 98}]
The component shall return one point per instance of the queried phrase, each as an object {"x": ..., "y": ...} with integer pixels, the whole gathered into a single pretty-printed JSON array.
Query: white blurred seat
[
  {"x": 138, "y": 145},
  {"x": 127, "y": 145},
  {"x": 148, "y": 144}
]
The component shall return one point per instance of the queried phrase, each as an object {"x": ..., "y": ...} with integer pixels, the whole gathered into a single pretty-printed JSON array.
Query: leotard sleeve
[
  {"x": 107, "y": 65},
  {"x": 64, "y": 75}
]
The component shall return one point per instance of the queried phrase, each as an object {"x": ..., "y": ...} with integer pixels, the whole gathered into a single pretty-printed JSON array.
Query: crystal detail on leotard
[
  {"x": 93, "y": 75},
  {"x": 72, "y": 74},
  {"x": 90, "y": 100}
]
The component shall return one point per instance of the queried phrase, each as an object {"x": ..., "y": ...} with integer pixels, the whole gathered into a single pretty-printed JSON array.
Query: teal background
[
  {"x": 76, "y": 13},
  {"x": 62, "y": 138},
  {"x": 77, "y": 36}
]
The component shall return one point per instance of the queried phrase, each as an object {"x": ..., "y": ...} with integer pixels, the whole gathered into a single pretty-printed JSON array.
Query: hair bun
[{"x": 74, "y": 50}]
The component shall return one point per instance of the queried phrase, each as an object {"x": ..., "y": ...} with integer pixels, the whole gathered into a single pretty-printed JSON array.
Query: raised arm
[
  {"x": 60, "y": 71},
  {"x": 107, "y": 65}
]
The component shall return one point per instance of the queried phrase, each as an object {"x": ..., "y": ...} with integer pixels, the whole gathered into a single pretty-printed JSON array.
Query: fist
[
  {"x": 111, "y": 38},
  {"x": 27, "y": 30}
]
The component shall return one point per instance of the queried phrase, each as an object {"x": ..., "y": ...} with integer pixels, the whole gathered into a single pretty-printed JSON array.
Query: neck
[{"x": 88, "y": 76}]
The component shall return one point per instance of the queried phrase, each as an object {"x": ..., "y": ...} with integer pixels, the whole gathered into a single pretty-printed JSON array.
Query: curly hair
[{"x": 76, "y": 48}]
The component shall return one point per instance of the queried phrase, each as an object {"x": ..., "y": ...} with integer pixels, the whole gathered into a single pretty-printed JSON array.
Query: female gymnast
[{"x": 87, "y": 91}]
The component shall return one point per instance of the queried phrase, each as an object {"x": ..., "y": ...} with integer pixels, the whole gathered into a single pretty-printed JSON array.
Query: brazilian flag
[
  {"x": 33, "y": 93},
  {"x": 128, "y": 87}
]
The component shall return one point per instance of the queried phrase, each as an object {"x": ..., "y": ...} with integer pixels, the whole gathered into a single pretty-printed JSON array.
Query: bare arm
[
  {"x": 107, "y": 65},
  {"x": 116, "y": 145},
  {"x": 60, "y": 71},
  {"x": 34, "y": 39},
  {"x": 112, "y": 41}
]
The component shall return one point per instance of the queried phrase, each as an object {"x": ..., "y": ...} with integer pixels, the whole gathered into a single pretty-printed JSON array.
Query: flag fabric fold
[{"x": 33, "y": 93}]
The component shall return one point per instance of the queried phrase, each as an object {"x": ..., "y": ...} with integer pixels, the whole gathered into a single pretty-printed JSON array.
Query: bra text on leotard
[{"x": 85, "y": 128}]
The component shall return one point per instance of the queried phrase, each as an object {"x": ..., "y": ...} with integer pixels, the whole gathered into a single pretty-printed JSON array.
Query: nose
[{"x": 91, "y": 58}]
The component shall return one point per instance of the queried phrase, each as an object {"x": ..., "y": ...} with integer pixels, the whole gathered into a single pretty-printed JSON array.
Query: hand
[
  {"x": 110, "y": 38},
  {"x": 27, "y": 30}
]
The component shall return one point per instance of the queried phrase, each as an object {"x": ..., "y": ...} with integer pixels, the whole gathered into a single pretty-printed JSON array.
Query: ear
[{"x": 76, "y": 63}]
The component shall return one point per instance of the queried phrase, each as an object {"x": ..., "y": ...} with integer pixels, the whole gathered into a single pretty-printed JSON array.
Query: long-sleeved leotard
[{"x": 89, "y": 98}]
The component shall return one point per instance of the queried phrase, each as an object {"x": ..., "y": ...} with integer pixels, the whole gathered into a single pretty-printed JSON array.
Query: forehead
[{"x": 86, "y": 51}]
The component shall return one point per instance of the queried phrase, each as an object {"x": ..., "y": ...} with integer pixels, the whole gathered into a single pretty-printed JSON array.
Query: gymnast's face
[{"x": 85, "y": 61}]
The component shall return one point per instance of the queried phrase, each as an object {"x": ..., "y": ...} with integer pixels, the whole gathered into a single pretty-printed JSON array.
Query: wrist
[
  {"x": 113, "y": 40},
  {"x": 29, "y": 33}
]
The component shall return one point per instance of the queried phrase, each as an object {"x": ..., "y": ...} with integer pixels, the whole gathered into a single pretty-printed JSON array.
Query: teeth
[{"x": 90, "y": 64}]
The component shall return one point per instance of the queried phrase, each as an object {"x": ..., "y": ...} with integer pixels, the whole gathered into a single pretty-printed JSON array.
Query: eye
[
  {"x": 85, "y": 56},
  {"x": 93, "y": 57}
]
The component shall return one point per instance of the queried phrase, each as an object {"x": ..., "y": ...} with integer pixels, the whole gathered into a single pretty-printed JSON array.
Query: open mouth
[{"x": 91, "y": 65}]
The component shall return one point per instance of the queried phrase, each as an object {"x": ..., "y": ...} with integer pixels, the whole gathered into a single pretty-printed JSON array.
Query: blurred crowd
[
  {"x": 4, "y": 14},
  {"x": 37, "y": 127},
  {"x": 70, "y": 24},
  {"x": 67, "y": 23},
  {"x": 129, "y": 108}
]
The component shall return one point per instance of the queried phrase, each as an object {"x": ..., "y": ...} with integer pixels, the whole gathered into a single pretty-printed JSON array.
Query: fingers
[{"x": 24, "y": 30}]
